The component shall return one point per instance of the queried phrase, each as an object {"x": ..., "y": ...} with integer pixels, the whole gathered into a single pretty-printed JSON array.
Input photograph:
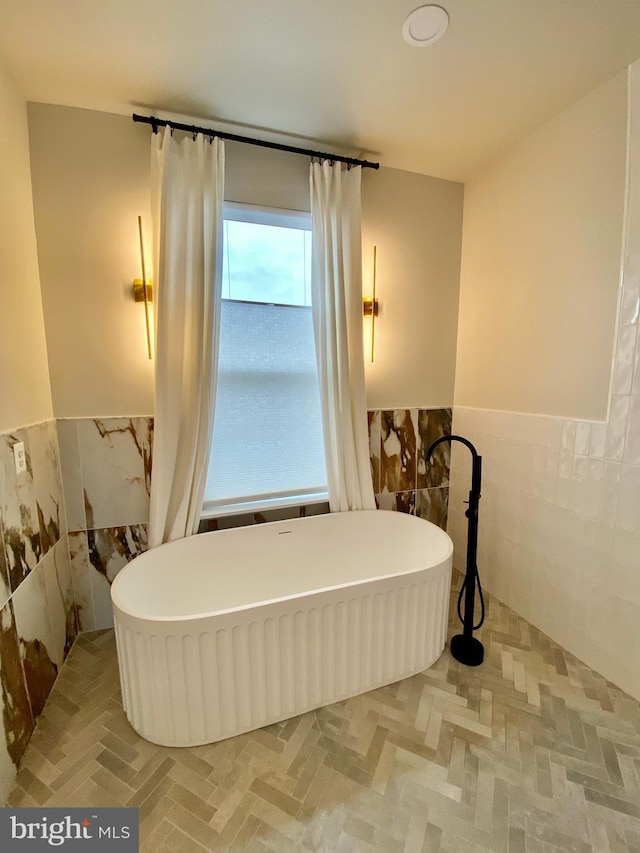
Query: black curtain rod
[{"x": 207, "y": 131}]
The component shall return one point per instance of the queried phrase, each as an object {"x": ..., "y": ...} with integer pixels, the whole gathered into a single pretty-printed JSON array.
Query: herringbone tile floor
[{"x": 531, "y": 753}]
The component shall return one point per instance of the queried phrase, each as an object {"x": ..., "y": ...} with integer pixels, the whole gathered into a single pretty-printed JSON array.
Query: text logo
[{"x": 36, "y": 830}]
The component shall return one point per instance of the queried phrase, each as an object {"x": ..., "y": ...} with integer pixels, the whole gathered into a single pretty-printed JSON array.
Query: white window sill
[{"x": 212, "y": 510}]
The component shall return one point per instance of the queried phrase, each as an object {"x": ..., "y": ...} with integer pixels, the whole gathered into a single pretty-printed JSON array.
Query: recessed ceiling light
[{"x": 425, "y": 25}]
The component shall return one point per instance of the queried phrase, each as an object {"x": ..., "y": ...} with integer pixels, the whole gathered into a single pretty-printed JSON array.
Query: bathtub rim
[
  {"x": 255, "y": 605},
  {"x": 193, "y": 617}
]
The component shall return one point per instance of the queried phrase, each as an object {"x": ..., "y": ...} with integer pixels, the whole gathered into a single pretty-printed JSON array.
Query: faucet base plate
[{"x": 467, "y": 650}]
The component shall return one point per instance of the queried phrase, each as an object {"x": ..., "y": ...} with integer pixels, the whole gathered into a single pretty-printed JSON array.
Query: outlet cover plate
[{"x": 20, "y": 457}]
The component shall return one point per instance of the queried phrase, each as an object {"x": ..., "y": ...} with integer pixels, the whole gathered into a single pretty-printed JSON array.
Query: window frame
[{"x": 282, "y": 218}]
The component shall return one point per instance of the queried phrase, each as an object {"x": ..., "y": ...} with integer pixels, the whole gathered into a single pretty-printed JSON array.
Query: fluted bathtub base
[{"x": 196, "y": 681}]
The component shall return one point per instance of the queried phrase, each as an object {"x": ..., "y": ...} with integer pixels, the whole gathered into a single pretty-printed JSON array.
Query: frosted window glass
[{"x": 267, "y": 435}]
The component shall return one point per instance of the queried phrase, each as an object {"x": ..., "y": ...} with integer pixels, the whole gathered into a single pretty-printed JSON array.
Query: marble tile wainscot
[
  {"x": 402, "y": 481},
  {"x": 38, "y": 622},
  {"x": 106, "y": 468}
]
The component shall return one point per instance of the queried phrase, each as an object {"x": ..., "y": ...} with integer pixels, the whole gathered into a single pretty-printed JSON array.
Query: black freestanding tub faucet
[{"x": 465, "y": 647}]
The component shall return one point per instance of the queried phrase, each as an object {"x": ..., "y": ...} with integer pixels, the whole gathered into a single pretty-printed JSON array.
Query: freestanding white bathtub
[{"x": 225, "y": 632}]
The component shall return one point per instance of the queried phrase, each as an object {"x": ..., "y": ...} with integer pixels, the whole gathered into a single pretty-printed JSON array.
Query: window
[{"x": 267, "y": 448}]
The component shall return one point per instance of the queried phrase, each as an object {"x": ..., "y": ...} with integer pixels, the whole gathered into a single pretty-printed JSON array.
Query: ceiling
[{"x": 331, "y": 71}]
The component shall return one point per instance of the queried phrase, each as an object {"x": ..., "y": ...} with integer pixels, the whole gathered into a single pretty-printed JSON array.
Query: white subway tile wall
[
  {"x": 559, "y": 537},
  {"x": 559, "y": 526}
]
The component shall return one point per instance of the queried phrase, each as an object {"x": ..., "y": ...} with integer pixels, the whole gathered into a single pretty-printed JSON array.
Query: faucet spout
[{"x": 476, "y": 470}]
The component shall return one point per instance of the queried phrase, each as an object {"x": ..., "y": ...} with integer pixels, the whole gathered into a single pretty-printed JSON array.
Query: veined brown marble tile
[
  {"x": 112, "y": 548},
  {"x": 433, "y": 424},
  {"x": 107, "y": 551},
  {"x": 280, "y": 514},
  {"x": 17, "y": 719},
  {"x": 82, "y": 572},
  {"x": 45, "y": 462},
  {"x": 433, "y": 505},
  {"x": 375, "y": 441},
  {"x": 224, "y": 522},
  {"x": 71, "y": 473},
  {"x": 21, "y": 528},
  {"x": 314, "y": 509},
  {"x": 5, "y": 589},
  {"x": 398, "y": 450},
  {"x": 397, "y": 501},
  {"x": 209, "y": 525},
  {"x": 60, "y": 600},
  {"x": 115, "y": 456},
  {"x": 35, "y": 637}
]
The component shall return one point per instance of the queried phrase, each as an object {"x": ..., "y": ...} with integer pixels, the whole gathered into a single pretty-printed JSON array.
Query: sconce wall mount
[
  {"x": 370, "y": 307},
  {"x": 139, "y": 294}
]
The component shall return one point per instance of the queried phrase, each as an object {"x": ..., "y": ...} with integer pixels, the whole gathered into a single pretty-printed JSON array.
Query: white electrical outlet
[{"x": 20, "y": 457}]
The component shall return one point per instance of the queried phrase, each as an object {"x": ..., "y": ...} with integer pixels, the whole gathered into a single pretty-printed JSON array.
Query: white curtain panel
[
  {"x": 336, "y": 296},
  {"x": 187, "y": 196}
]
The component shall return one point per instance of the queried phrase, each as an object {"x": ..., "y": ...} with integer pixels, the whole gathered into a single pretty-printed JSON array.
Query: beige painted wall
[
  {"x": 540, "y": 266},
  {"x": 264, "y": 177},
  {"x": 91, "y": 174},
  {"x": 90, "y": 181},
  {"x": 25, "y": 397},
  {"x": 415, "y": 222}
]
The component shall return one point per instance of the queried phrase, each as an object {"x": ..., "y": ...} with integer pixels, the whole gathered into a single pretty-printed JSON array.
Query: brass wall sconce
[
  {"x": 143, "y": 290},
  {"x": 370, "y": 304}
]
